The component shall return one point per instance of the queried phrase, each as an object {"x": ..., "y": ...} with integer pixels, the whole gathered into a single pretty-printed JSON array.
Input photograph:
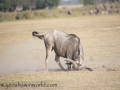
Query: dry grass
[
  {"x": 84, "y": 80},
  {"x": 100, "y": 37}
]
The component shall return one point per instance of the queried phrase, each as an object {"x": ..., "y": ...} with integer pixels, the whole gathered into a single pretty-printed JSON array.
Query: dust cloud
[{"x": 28, "y": 56}]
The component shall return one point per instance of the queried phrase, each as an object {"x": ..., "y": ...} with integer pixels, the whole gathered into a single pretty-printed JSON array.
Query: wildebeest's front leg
[
  {"x": 57, "y": 59},
  {"x": 69, "y": 65}
]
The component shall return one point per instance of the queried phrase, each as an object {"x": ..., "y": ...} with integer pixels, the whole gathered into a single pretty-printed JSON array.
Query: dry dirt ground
[{"x": 22, "y": 56}]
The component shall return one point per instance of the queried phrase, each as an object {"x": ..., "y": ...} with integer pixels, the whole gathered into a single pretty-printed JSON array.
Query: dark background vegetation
[
  {"x": 11, "y": 5},
  {"x": 92, "y": 2},
  {"x": 34, "y": 9}
]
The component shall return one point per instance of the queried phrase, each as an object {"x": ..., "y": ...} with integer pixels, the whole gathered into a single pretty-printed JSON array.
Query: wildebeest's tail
[{"x": 41, "y": 36}]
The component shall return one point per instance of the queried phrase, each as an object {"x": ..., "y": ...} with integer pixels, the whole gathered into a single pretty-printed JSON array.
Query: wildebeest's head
[{"x": 76, "y": 65}]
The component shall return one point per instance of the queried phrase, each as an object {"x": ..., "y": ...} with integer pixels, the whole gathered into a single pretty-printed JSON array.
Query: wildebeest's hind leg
[
  {"x": 57, "y": 59},
  {"x": 48, "y": 50}
]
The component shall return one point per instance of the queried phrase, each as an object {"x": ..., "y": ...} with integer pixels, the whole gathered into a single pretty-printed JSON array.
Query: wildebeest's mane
[
  {"x": 74, "y": 36},
  {"x": 72, "y": 41}
]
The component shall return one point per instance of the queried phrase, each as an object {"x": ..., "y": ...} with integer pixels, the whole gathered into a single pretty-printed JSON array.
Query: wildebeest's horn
[
  {"x": 85, "y": 67},
  {"x": 75, "y": 65}
]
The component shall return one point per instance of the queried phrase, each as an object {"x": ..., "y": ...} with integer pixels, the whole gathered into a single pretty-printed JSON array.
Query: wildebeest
[
  {"x": 91, "y": 12},
  {"x": 69, "y": 12},
  {"x": 83, "y": 12},
  {"x": 104, "y": 12},
  {"x": 64, "y": 45}
]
